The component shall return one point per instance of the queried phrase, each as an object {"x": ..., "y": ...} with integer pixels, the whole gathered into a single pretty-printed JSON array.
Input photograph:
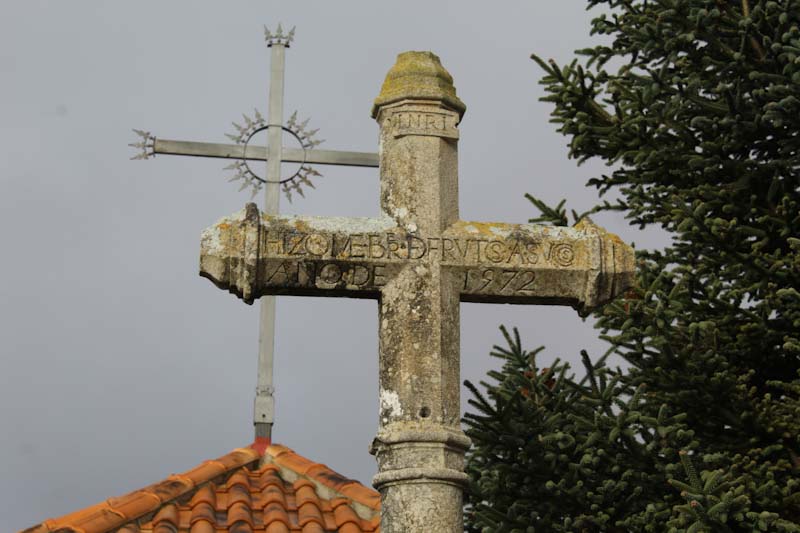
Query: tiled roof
[{"x": 241, "y": 492}]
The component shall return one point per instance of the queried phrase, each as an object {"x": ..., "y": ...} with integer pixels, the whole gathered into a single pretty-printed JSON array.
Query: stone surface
[
  {"x": 253, "y": 254},
  {"x": 418, "y": 76},
  {"x": 419, "y": 260}
]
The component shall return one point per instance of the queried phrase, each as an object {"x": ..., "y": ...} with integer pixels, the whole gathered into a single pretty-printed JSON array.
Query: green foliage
[
  {"x": 699, "y": 122},
  {"x": 556, "y": 454}
]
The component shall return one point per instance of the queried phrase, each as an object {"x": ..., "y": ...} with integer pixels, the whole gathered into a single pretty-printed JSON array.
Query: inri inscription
[{"x": 421, "y": 121}]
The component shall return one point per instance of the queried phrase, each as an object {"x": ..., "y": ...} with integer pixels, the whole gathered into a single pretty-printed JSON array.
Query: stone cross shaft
[{"x": 419, "y": 260}]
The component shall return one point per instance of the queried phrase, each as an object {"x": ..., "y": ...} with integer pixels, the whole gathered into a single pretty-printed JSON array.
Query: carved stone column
[{"x": 420, "y": 446}]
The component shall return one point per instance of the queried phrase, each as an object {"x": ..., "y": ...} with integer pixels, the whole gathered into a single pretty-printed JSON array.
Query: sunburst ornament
[
  {"x": 253, "y": 126},
  {"x": 147, "y": 146},
  {"x": 278, "y": 37}
]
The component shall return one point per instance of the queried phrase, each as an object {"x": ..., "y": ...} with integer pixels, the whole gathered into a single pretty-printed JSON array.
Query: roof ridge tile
[
  {"x": 369, "y": 497},
  {"x": 169, "y": 488},
  {"x": 285, "y": 457},
  {"x": 239, "y": 456},
  {"x": 205, "y": 471},
  {"x": 134, "y": 503},
  {"x": 293, "y": 461},
  {"x": 269, "y": 478},
  {"x": 343, "y": 513},
  {"x": 305, "y": 493},
  {"x": 95, "y": 519}
]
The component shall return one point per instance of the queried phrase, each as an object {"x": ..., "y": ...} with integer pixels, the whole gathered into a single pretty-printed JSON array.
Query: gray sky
[{"x": 119, "y": 364}]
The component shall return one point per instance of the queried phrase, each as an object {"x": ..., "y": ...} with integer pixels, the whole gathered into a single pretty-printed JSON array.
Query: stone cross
[
  {"x": 419, "y": 260},
  {"x": 274, "y": 154}
]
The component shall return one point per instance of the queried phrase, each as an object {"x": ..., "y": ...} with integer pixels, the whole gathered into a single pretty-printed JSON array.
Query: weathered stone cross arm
[
  {"x": 419, "y": 260},
  {"x": 252, "y": 255}
]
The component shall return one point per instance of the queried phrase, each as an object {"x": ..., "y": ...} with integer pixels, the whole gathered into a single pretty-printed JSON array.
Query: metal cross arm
[
  {"x": 419, "y": 260},
  {"x": 300, "y": 151},
  {"x": 261, "y": 153}
]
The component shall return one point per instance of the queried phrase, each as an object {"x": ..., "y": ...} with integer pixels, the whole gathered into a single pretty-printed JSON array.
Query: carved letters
[
  {"x": 428, "y": 123},
  {"x": 394, "y": 247},
  {"x": 360, "y": 257},
  {"x": 499, "y": 281},
  {"x": 363, "y": 263},
  {"x": 326, "y": 274}
]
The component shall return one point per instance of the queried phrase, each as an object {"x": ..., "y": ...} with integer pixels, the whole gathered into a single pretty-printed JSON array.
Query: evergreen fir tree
[{"x": 695, "y": 107}]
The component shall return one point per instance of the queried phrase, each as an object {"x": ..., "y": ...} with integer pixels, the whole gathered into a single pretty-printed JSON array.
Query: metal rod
[
  {"x": 264, "y": 411},
  {"x": 257, "y": 153},
  {"x": 334, "y": 157}
]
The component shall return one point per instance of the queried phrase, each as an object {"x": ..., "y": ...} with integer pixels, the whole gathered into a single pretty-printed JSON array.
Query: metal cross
[{"x": 274, "y": 153}]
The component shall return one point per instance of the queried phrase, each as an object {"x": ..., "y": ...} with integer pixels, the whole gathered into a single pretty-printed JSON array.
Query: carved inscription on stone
[
  {"x": 488, "y": 266},
  {"x": 251, "y": 255},
  {"x": 391, "y": 246},
  {"x": 428, "y": 123},
  {"x": 499, "y": 281},
  {"x": 328, "y": 275}
]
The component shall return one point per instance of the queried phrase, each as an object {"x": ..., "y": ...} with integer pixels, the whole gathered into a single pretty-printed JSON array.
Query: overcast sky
[{"x": 120, "y": 365}]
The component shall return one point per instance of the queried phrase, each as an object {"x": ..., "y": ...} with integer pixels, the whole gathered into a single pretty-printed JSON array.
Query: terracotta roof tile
[
  {"x": 239, "y": 513},
  {"x": 312, "y": 527},
  {"x": 166, "y": 520},
  {"x": 322, "y": 475},
  {"x": 205, "y": 495},
  {"x": 286, "y": 457},
  {"x": 205, "y": 471},
  {"x": 309, "y": 512},
  {"x": 203, "y": 512},
  {"x": 275, "y": 513},
  {"x": 203, "y": 527},
  {"x": 241, "y": 492},
  {"x": 273, "y": 495},
  {"x": 277, "y": 527},
  {"x": 346, "y": 519},
  {"x": 241, "y": 527}
]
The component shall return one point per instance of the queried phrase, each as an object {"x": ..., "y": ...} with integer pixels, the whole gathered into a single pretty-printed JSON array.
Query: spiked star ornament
[
  {"x": 248, "y": 129},
  {"x": 278, "y": 37},
  {"x": 146, "y": 145}
]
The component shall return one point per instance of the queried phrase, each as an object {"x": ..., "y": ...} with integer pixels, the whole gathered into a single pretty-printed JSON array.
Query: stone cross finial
[{"x": 419, "y": 260}]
